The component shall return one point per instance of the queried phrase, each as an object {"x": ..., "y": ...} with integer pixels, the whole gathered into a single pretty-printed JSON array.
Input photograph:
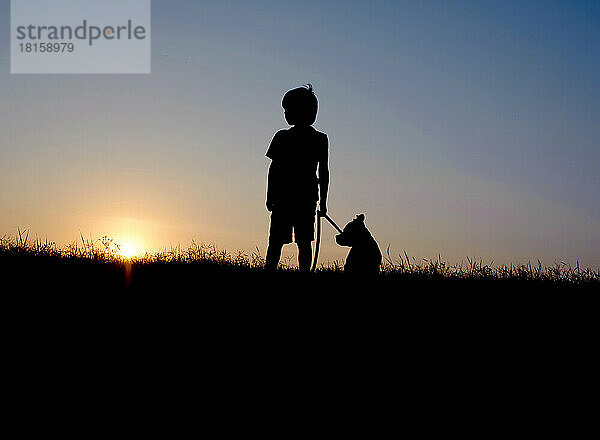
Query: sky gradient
[{"x": 464, "y": 128}]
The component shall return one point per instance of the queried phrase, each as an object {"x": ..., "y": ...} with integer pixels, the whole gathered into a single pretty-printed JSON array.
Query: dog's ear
[{"x": 360, "y": 217}]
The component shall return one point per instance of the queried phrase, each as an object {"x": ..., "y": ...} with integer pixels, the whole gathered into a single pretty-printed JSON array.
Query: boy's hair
[{"x": 300, "y": 106}]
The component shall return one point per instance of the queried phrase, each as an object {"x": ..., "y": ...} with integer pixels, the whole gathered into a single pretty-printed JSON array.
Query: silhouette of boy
[{"x": 293, "y": 187}]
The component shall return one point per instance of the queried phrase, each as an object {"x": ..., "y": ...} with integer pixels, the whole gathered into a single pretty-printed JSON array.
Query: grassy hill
[{"x": 97, "y": 264}]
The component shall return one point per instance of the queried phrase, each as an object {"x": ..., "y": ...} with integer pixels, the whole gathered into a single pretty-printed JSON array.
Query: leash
[
  {"x": 318, "y": 242},
  {"x": 332, "y": 223}
]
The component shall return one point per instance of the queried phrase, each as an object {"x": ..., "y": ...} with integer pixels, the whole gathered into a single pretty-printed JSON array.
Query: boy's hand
[{"x": 269, "y": 206}]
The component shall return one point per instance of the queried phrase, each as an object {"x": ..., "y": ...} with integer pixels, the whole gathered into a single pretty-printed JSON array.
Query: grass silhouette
[{"x": 97, "y": 263}]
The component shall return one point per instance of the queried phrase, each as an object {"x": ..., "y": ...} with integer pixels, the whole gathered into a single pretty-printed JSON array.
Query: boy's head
[{"x": 300, "y": 106}]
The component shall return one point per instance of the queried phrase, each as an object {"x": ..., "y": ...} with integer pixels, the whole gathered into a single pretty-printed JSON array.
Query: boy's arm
[
  {"x": 323, "y": 181},
  {"x": 273, "y": 153},
  {"x": 271, "y": 186}
]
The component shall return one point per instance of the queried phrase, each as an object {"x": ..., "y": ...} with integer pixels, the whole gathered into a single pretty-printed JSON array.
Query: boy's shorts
[{"x": 302, "y": 221}]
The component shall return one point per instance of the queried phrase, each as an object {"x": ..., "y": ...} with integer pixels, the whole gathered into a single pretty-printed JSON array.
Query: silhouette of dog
[{"x": 364, "y": 257}]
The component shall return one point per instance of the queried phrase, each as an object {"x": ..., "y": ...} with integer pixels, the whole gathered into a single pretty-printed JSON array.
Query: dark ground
[{"x": 283, "y": 353}]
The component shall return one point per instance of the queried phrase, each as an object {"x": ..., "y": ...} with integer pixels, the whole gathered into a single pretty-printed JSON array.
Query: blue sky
[{"x": 459, "y": 128}]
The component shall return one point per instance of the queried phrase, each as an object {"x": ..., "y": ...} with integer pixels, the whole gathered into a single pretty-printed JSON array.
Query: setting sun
[{"x": 128, "y": 251}]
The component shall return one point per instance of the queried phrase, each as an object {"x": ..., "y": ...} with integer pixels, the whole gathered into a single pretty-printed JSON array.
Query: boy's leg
[
  {"x": 273, "y": 255},
  {"x": 280, "y": 233},
  {"x": 304, "y": 231},
  {"x": 304, "y": 255}
]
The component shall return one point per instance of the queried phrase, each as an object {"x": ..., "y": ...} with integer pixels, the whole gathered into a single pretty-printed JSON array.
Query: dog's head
[{"x": 353, "y": 232}]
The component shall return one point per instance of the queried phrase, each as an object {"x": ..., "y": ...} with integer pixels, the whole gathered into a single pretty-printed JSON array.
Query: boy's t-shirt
[{"x": 296, "y": 153}]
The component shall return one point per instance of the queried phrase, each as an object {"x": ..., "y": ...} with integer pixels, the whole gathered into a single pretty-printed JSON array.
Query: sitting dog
[{"x": 364, "y": 257}]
